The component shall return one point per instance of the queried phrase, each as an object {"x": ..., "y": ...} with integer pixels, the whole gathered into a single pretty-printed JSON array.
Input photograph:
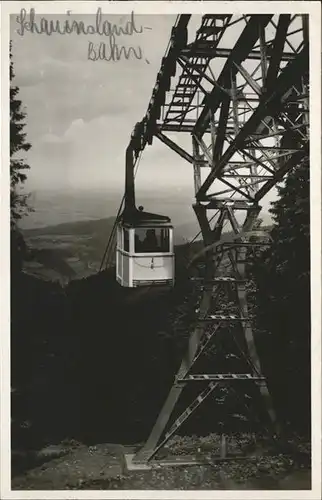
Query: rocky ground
[{"x": 102, "y": 467}]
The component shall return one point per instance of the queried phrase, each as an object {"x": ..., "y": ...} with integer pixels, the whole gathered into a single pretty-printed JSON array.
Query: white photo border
[{"x": 313, "y": 9}]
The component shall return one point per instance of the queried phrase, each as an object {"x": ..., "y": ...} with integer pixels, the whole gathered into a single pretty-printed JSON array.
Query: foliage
[
  {"x": 18, "y": 145},
  {"x": 128, "y": 344},
  {"x": 282, "y": 275}
]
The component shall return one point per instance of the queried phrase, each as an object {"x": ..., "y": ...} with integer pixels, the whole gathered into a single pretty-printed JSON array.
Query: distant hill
[
  {"x": 79, "y": 244},
  {"x": 95, "y": 227},
  {"x": 100, "y": 229},
  {"x": 75, "y": 249}
]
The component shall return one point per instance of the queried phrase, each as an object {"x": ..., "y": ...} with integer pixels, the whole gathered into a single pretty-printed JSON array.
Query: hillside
[
  {"x": 75, "y": 249},
  {"x": 72, "y": 249},
  {"x": 92, "y": 363}
]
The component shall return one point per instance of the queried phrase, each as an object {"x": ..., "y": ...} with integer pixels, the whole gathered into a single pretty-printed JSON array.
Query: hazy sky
[{"x": 81, "y": 113}]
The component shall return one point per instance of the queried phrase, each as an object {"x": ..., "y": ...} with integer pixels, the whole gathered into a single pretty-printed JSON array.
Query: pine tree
[
  {"x": 283, "y": 295},
  {"x": 18, "y": 166},
  {"x": 18, "y": 145}
]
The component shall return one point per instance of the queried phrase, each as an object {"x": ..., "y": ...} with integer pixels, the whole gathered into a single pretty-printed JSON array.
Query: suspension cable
[{"x": 111, "y": 243}]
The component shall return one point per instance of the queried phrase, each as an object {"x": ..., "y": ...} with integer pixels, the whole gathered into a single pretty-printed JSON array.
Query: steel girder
[
  {"x": 248, "y": 119},
  {"x": 240, "y": 117}
]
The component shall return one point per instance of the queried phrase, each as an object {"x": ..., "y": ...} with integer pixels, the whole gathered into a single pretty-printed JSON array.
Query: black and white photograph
[{"x": 161, "y": 227}]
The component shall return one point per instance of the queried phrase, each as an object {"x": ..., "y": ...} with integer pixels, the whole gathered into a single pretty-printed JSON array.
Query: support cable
[{"x": 110, "y": 247}]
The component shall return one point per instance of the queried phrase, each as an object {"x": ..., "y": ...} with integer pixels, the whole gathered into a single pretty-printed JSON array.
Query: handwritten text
[{"x": 109, "y": 51}]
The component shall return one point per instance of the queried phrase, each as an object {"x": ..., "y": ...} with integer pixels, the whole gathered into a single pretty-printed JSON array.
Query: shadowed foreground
[{"x": 103, "y": 467}]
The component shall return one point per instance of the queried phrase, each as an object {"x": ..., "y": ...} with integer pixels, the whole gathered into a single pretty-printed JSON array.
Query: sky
[{"x": 80, "y": 113}]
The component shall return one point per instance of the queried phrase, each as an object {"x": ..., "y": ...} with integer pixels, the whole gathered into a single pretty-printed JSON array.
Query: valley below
[{"x": 74, "y": 250}]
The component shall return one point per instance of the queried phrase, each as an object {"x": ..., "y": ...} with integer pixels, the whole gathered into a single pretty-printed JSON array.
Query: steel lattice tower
[{"x": 246, "y": 109}]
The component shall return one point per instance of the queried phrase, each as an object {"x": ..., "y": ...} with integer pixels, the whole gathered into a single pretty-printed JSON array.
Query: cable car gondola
[{"x": 144, "y": 247}]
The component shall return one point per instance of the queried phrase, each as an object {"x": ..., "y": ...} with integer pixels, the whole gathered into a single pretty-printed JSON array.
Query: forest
[{"x": 92, "y": 362}]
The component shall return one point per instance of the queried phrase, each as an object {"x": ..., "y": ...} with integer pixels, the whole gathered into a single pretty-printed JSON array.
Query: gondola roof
[{"x": 140, "y": 218}]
